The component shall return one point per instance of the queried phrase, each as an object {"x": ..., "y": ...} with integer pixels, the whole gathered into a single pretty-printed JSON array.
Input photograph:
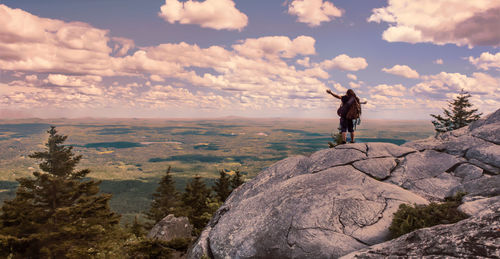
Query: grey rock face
[
  {"x": 484, "y": 186},
  {"x": 425, "y": 173},
  {"x": 468, "y": 172},
  {"x": 378, "y": 168},
  {"x": 342, "y": 200},
  {"x": 489, "y": 133},
  {"x": 475, "y": 237},
  {"x": 387, "y": 150},
  {"x": 475, "y": 206},
  {"x": 171, "y": 227},
  {"x": 316, "y": 215},
  {"x": 487, "y": 154}
]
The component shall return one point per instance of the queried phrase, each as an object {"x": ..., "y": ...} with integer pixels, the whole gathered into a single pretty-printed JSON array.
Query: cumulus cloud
[
  {"x": 401, "y": 70},
  {"x": 257, "y": 73},
  {"x": 304, "y": 62},
  {"x": 122, "y": 45},
  {"x": 439, "y": 85},
  {"x": 486, "y": 61},
  {"x": 215, "y": 14},
  {"x": 471, "y": 23},
  {"x": 31, "y": 43},
  {"x": 388, "y": 90},
  {"x": 276, "y": 46},
  {"x": 314, "y": 12},
  {"x": 352, "y": 76},
  {"x": 31, "y": 78},
  {"x": 354, "y": 84},
  {"x": 156, "y": 78},
  {"x": 344, "y": 62},
  {"x": 76, "y": 81},
  {"x": 438, "y": 61}
]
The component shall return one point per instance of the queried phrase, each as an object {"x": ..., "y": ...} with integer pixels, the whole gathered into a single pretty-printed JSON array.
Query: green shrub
[
  {"x": 409, "y": 218},
  {"x": 179, "y": 244},
  {"x": 148, "y": 248}
]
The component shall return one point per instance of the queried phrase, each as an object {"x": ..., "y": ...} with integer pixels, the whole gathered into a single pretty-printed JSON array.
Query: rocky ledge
[{"x": 341, "y": 201}]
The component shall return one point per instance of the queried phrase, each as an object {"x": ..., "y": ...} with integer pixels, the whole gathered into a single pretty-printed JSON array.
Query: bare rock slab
[
  {"x": 171, "y": 227},
  {"x": 475, "y": 206},
  {"x": 475, "y": 237},
  {"x": 376, "y": 149},
  {"x": 378, "y": 168},
  {"x": 322, "y": 215},
  {"x": 328, "y": 158},
  {"x": 488, "y": 154},
  {"x": 422, "y": 173}
]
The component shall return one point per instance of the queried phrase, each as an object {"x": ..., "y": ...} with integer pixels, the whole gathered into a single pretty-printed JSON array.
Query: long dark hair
[{"x": 351, "y": 94}]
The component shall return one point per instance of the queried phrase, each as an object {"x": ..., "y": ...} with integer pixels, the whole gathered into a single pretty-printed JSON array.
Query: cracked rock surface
[
  {"x": 475, "y": 237},
  {"x": 342, "y": 200}
]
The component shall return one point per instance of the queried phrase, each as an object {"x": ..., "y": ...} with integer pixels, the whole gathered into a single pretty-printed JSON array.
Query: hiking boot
[
  {"x": 353, "y": 141},
  {"x": 343, "y": 142}
]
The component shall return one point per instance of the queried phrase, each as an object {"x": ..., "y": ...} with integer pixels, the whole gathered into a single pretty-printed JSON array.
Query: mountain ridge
[{"x": 341, "y": 200}]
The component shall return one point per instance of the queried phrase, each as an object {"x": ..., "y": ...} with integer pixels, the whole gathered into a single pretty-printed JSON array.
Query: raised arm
[{"x": 334, "y": 95}]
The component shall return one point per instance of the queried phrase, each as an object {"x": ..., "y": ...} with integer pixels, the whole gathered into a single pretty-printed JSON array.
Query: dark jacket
[{"x": 346, "y": 104}]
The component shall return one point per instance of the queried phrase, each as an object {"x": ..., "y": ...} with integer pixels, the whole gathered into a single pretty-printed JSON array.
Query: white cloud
[
  {"x": 354, "y": 85},
  {"x": 276, "y": 46},
  {"x": 401, "y": 70},
  {"x": 31, "y": 43},
  {"x": 352, "y": 76},
  {"x": 486, "y": 61},
  {"x": 339, "y": 89},
  {"x": 76, "y": 81},
  {"x": 437, "y": 86},
  {"x": 122, "y": 45},
  {"x": 31, "y": 78},
  {"x": 440, "y": 22},
  {"x": 314, "y": 12},
  {"x": 156, "y": 78},
  {"x": 304, "y": 62},
  {"x": 258, "y": 73},
  {"x": 215, "y": 14},
  {"x": 388, "y": 90},
  {"x": 344, "y": 62},
  {"x": 438, "y": 61}
]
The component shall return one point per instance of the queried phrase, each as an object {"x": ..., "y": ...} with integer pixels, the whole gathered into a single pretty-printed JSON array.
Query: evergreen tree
[
  {"x": 337, "y": 137},
  {"x": 196, "y": 200},
  {"x": 237, "y": 180},
  {"x": 460, "y": 114},
  {"x": 222, "y": 186},
  {"x": 57, "y": 214},
  {"x": 166, "y": 199},
  {"x": 137, "y": 228}
]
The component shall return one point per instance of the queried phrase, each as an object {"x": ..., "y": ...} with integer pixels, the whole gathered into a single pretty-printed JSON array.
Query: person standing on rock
[{"x": 347, "y": 115}]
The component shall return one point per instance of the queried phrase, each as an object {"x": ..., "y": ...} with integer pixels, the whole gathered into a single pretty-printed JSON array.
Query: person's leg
[
  {"x": 343, "y": 129},
  {"x": 350, "y": 128}
]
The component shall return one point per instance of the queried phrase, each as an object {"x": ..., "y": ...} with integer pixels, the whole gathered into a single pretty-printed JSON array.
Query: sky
[{"x": 258, "y": 58}]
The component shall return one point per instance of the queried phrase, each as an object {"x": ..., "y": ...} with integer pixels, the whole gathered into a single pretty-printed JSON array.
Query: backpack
[{"x": 354, "y": 111}]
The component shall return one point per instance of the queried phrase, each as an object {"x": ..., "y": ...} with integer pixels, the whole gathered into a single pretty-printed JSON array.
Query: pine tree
[
  {"x": 166, "y": 199},
  {"x": 196, "y": 199},
  {"x": 57, "y": 214},
  {"x": 460, "y": 114},
  {"x": 222, "y": 186},
  {"x": 237, "y": 180},
  {"x": 137, "y": 228}
]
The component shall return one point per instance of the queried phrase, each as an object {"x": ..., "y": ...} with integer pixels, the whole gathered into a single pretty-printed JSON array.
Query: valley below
[{"x": 129, "y": 156}]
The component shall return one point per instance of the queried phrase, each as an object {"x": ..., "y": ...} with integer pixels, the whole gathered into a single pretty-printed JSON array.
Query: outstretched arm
[
  {"x": 334, "y": 95},
  {"x": 364, "y": 102}
]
